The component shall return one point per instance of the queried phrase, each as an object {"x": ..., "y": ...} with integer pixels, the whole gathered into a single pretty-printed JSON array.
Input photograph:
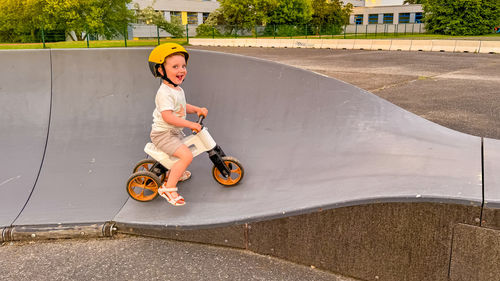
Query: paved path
[{"x": 137, "y": 258}]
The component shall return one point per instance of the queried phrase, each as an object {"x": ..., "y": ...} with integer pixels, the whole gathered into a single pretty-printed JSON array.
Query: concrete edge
[
  {"x": 418, "y": 199},
  {"x": 489, "y": 47}
]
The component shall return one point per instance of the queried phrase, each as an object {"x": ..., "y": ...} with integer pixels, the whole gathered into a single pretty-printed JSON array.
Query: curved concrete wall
[
  {"x": 101, "y": 103},
  {"x": 24, "y": 117}
]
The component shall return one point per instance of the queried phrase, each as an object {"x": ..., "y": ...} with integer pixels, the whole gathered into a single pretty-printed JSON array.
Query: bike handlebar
[{"x": 200, "y": 121}]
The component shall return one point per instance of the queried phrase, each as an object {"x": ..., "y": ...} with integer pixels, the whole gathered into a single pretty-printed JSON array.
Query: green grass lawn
[{"x": 92, "y": 44}]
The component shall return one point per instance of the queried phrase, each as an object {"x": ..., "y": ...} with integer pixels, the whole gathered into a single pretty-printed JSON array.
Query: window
[
  {"x": 358, "y": 19},
  {"x": 388, "y": 18},
  {"x": 192, "y": 18},
  {"x": 418, "y": 17},
  {"x": 205, "y": 16},
  {"x": 373, "y": 19},
  {"x": 404, "y": 18}
]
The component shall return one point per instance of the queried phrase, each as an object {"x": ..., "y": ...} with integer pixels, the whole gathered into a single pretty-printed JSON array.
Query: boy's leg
[{"x": 185, "y": 158}]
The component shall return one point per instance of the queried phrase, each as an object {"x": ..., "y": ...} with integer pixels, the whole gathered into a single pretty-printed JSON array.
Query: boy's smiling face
[{"x": 175, "y": 66}]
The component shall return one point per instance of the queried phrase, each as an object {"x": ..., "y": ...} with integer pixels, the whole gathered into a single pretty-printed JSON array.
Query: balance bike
[{"x": 149, "y": 174}]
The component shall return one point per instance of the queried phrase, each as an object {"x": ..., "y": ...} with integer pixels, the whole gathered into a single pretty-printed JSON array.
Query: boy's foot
[
  {"x": 185, "y": 176},
  {"x": 171, "y": 195}
]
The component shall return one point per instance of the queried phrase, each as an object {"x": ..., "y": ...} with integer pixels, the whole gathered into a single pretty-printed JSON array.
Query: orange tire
[
  {"x": 143, "y": 186},
  {"x": 237, "y": 172}
]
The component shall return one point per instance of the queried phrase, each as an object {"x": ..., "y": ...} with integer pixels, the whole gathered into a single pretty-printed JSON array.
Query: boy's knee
[{"x": 186, "y": 156}]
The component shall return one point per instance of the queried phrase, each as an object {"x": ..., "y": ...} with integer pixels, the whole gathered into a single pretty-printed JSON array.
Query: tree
[
  {"x": 330, "y": 13},
  {"x": 238, "y": 13},
  {"x": 461, "y": 17},
  {"x": 19, "y": 20},
  {"x": 22, "y": 20},
  {"x": 293, "y": 12},
  {"x": 79, "y": 18},
  {"x": 149, "y": 15}
]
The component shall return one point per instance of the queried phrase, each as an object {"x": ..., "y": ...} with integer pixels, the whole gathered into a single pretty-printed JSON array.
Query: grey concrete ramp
[
  {"x": 492, "y": 173},
  {"x": 309, "y": 142},
  {"x": 101, "y": 114},
  {"x": 306, "y": 142},
  {"x": 24, "y": 120}
]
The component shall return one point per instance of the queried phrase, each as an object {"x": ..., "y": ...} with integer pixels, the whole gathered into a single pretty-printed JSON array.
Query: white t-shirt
[{"x": 168, "y": 99}]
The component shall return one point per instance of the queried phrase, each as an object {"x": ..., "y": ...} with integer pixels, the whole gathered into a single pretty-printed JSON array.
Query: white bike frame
[{"x": 197, "y": 143}]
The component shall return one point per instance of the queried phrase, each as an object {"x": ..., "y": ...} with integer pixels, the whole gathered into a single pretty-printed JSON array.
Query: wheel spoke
[
  {"x": 139, "y": 181},
  {"x": 233, "y": 167},
  {"x": 151, "y": 186},
  {"x": 143, "y": 186},
  {"x": 235, "y": 173}
]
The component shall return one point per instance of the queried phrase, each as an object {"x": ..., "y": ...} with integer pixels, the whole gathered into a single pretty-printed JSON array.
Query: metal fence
[
  {"x": 137, "y": 32},
  {"x": 310, "y": 31},
  {"x": 385, "y": 29},
  {"x": 268, "y": 31}
]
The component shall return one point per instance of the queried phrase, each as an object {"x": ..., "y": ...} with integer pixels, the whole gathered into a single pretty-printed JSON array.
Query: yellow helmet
[{"x": 158, "y": 55}]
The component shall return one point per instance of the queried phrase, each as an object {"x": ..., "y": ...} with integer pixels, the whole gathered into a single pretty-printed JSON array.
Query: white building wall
[
  {"x": 200, "y": 18},
  {"x": 167, "y": 7},
  {"x": 355, "y": 3},
  {"x": 376, "y": 3},
  {"x": 180, "y": 5}
]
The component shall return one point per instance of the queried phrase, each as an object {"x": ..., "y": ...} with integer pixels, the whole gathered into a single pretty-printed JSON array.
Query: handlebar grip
[{"x": 200, "y": 121}]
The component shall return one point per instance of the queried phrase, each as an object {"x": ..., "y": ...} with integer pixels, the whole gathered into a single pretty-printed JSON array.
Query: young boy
[{"x": 169, "y": 61}]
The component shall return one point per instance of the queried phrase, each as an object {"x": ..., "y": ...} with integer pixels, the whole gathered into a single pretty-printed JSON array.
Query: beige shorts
[{"x": 168, "y": 141}]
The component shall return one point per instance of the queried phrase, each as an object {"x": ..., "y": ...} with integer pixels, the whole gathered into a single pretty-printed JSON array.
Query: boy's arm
[
  {"x": 169, "y": 117},
  {"x": 194, "y": 109}
]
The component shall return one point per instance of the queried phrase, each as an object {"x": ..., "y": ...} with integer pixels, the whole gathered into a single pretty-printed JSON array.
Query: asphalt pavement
[{"x": 141, "y": 258}]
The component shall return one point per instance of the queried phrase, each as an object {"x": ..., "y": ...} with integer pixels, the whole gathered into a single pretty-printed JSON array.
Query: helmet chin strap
[{"x": 164, "y": 77}]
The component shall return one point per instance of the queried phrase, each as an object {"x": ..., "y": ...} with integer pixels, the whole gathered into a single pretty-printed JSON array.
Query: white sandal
[{"x": 165, "y": 193}]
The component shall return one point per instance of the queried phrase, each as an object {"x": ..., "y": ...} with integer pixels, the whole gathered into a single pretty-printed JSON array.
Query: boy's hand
[
  {"x": 202, "y": 111},
  {"x": 195, "y": 127}
]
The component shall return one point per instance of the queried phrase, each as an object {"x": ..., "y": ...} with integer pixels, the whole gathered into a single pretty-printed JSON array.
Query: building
[
  {"x": 370, "y": 13},
  {"x": 190, "y": 12},
  {"x": 401, "y": 14},
  {"x": 384, "y": 12}
]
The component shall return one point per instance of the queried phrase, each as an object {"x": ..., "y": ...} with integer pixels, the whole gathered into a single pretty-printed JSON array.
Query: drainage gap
[{"x": 482, "y": 182}]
